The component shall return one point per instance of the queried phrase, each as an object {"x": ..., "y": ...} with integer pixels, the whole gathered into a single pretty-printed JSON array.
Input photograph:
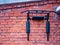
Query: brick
[
  {"x": 2, "y": 18},
  {"x": 57, "y": 44},
  {"x": 13, "y": 26}
]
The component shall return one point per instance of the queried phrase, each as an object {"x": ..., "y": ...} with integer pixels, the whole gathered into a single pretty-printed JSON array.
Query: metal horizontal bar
[{"x": 37, "y": 11}]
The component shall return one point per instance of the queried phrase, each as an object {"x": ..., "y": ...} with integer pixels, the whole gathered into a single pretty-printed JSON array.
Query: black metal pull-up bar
[{"x": 39, "y": 18}]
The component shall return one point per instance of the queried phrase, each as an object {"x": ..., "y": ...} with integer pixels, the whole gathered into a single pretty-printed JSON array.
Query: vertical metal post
[
  {"x": 47, "y": 27},
  {"x": 28, "y": 26}
]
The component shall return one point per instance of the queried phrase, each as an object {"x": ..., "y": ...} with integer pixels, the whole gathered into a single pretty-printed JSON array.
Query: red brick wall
[{"x": 13, "y": 27}]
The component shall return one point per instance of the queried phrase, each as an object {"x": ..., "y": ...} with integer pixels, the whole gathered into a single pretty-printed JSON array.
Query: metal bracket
[{"x": 38, "y": 18}]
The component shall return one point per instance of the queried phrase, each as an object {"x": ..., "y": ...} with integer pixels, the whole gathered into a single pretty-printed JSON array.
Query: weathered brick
[{"x": 13, "y": 26}]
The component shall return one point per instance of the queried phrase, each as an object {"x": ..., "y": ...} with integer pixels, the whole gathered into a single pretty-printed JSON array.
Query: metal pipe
[
  {"x": 47, "y": 27},
  {"x": 28, "y": 26}
]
